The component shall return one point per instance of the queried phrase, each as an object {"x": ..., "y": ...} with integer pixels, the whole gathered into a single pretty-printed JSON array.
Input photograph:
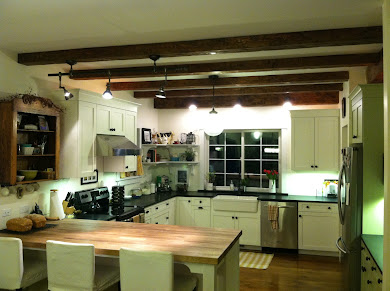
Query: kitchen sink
[{"x": 235, "y": 203}]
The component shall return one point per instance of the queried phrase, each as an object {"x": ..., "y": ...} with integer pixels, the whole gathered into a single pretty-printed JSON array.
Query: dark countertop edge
[
  {"x": 374, "y": 244},
  {"x": 149, "y": 200}
]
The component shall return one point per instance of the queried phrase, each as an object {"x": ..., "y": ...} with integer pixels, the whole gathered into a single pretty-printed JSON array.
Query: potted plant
[
  {"x": 210, "y": 179},
  {"x": 189, "y": 155},
  {"x": 244, "y": 182}
]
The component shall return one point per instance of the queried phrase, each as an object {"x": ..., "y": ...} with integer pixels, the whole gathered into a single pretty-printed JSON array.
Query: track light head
[
  {"x": 67, "y": 94},
  {"x": 107, "y": 94}
]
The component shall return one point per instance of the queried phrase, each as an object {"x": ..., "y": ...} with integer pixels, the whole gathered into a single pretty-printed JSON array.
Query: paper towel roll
[{"x": 55, "y": 205}]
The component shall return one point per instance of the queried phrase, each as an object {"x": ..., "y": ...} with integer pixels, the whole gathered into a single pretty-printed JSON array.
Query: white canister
[
  {"x": 55, "y": 205},
  {"x": 152, "y": 188}
]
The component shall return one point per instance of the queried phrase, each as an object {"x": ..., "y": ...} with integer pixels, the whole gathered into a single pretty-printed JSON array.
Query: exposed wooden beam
[
  {"x": 374, "y": 73},
  {"x": 328, "y": 77},
  {"x": 312, "y": 98},
  {"x": 232, "y": 67},
  {"x": 243, "y": 91},
  {"x": 278, "y": 41}
]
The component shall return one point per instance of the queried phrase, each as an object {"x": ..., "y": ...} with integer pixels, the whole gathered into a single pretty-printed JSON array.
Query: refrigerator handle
[
  {"x": 342, "y": 169},
  {"x": 338, "y": 246}
]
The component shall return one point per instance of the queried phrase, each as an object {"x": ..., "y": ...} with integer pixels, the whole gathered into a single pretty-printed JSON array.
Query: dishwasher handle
[{"x": 286, "y": 207}]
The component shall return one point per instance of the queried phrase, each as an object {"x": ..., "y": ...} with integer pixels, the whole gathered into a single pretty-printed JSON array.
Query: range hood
[{"x": 115, "y": 145}]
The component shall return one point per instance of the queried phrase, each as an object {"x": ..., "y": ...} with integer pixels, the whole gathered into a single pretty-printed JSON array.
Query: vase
[
  {"x": 209, "y": 186},
  {"x": 272, "y": 186}
]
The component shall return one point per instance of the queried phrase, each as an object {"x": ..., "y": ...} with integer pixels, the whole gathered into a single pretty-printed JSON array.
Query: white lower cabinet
[
  {"x": 184, "y": 211},
  {"x": 248, "y": 223},
  {"x": 371, "y": 276},
  {"x": 201, "y": 216},
  {"x": 318, "y": 226},
  {"x": 161, "y": 213}
]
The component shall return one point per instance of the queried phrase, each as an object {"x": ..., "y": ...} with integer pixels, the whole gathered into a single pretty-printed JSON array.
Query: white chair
[
  {"x": 71, "y": 267},
  {"x": 17, "y": 272},
  {"x": 151, "y": 271}
]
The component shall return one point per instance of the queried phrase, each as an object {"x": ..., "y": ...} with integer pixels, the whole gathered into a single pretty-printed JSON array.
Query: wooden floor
[{"x": 293, "y": 272}]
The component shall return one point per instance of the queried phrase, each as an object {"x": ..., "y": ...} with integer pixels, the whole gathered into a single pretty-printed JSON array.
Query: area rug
[{"x": 255, "y": 260}]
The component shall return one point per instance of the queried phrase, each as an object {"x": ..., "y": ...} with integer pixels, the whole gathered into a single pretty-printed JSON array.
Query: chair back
[
  {"x": 70, "y": 266},
  {"x": 145, "y": 270},
  {"x": 11, "y": 263}
]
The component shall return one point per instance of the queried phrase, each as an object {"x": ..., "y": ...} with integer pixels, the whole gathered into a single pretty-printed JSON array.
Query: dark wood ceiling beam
[
  {"x": 333, "y": 61},
  {"x": 278, "y": 41},
  {"x": 374, "y": 73},
  {"x": 310, "y": 78},
  {"x": 243, "y": 91},
  {"x": 312, "y": 98}
]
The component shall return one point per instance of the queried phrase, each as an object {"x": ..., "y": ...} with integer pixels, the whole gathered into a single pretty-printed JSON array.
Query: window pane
[
  {"x": 219, "y": 139},
  {"x": 252, "y": 137},
  {"x": 252, "y": 152},
  {"x": 233, "y": 166},
  {"x": 219, "y": 180},
  {"x": 252, "y": 167},
  {"x": 233, "y": 152},
  {"x": 270, "y": 152},
  {"x": 270, "y": 165},
  {"x": 234, "y": 178},
  {"x": 216, "y": 166},
  {"x": 233, "y": 138},
  {"x": 270, "y": 138},
  {"x": 217, "y": 152},
  {"x": 254, "y": 180}
]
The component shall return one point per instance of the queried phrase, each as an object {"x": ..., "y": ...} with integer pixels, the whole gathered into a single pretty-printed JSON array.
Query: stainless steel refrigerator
[{"x": 350, "y": 202}]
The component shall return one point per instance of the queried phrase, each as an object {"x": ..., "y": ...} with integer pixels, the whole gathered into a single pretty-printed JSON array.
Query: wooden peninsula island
[{"x": 212, "y": 253}]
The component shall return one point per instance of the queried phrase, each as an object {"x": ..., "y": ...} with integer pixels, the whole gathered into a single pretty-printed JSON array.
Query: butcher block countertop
[{"x": 188, "y": 244}]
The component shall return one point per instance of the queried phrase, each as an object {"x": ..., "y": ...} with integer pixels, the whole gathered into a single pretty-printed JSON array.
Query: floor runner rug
[{"x": 255, "y": 260}]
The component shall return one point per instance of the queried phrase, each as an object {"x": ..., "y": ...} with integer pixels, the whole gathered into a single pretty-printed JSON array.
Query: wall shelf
[{"x": 169, "y": 162}]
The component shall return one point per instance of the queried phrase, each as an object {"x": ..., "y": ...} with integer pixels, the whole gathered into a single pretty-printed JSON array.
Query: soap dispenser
[{"x": 231, "y": 185}]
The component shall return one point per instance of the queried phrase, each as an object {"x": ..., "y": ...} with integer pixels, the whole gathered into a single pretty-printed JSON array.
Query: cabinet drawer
[
  {"x": 149, "y": 211},
  {"x": 318, "y": 207},
  {"x": 201, "y": 201},
  {"x": 160, "y": 206}
]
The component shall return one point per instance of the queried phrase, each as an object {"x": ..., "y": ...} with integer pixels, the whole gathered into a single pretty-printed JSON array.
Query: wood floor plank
[{"x": 294, "y": 272}]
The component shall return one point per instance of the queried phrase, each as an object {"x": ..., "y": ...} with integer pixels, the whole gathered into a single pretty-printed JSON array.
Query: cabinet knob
[
  {"x": 329, "y": 208},
  {"x": 354, "y": 136},
  {"x": 156, "y": 208},
  {"x": 236, "y": 217},
  {"x": 368, "y": 259},
  {"x": 232, "y": 217},
  {"x": 379, "y": 281},
  {"x": 156, "y": 223},
  {"x": 369, "y": 282},
  {"x": 200, "y": 207},
  {"x": 166, "y": 217},
  {"x": 364, "y": 269},
  {"x": 373, "y": 269},
  {"x": 147, "y": 211},
  {"x": 315, "y": 166},
  {"x": 189, "y": 201},
  {"x": 312, "y": 166},
  {"x": 307, "y": 206},
  {"x": 299, "y": 215},
  {"x": 167, "y": 204},
  {"x": 126, "y": 167},
  {"x": 200, "y": 201}
]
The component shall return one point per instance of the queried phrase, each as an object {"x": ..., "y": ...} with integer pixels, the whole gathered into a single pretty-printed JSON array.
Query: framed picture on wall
[{"x": 146, "y": 135}]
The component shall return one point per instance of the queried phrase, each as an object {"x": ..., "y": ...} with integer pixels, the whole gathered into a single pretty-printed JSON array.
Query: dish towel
[
  {"x": 136, "y": 219},
  {"x": 273, "y": 216}
]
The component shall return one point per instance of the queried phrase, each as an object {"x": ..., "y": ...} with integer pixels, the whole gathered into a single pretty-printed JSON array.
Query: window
[{"x": 234, "y": 155}]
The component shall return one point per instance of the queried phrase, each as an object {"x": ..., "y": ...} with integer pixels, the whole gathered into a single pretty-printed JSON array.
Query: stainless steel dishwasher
[{"x": 286, "y": 233}]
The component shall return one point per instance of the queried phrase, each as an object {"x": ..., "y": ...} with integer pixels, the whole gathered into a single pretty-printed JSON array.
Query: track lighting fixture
[
  {"x": 192, "y": 107},
  {"x": 67, "y": 94},
  {"x": 287, "y": 103},
  {"x": 214, "y": 126},
  {"x": 107, "y": 94},
  {"x": 238, "y": 105},
  {"x": 161, "y": 92},
  {"x": 154, "y": 58}
]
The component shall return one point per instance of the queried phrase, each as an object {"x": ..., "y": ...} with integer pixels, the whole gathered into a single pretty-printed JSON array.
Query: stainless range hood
[{"x": 115, "y": 145}]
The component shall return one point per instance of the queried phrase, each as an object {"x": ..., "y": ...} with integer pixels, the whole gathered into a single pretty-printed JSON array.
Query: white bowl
[
  {"x": 28, "y": 151},
  {"x": 19, "y": 178}
]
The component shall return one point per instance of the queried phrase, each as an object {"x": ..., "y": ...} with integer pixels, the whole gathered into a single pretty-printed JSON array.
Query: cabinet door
[
  {"x": 87, "y": 134},
  {"x": 131, "y": 134},
  {"x": 201, "y": 216},
  {"x": 250, "y": 230},
  {"x": 357, "y": 122},
  {"x": 103, "y": 124},
  {"x": 117, "y": 121},
  {"x": 302, "y": 143},
  {"x": 224, "y": 220},
  {"x": 326, "y": 144},
  {"x": 171, "y": 204},
  {"x": 317, "y": 231},
  {"x": 185, "y": 215}
]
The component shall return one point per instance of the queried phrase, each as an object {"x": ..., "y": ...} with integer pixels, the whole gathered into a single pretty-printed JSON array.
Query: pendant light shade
[
  {"x": 107, "y": 94},
  {"x": 161, "y": 93},
  {"x": 214, "y": 125}
]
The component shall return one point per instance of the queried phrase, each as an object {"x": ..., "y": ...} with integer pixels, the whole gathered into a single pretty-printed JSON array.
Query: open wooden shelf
[
  {"x": 44, "y": 155},
  {"x": 34, "y": 181},
  {"x": 35, "y": 130}
]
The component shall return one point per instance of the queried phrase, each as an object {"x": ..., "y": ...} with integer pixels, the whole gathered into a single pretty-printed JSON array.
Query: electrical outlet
[{"x": 6, "y": 212}]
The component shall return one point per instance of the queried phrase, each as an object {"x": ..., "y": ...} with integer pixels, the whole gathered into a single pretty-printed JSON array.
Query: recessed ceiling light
[
  {"x": 213, "y": 53},
  {"x": 192, "y": 107}
]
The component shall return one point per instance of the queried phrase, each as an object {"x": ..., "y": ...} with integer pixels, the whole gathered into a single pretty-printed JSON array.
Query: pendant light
[
  {"x": 214, "y": 126},
  {"x": 67, "y": 94},
  {"x": 107, "y": 94},
  {"x": 161, "y": 92}
]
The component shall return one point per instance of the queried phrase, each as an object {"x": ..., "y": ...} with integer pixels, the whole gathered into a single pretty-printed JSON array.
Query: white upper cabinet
[
  {"x": 111, "y": 120},
  {"x": 315, "y": 140}
]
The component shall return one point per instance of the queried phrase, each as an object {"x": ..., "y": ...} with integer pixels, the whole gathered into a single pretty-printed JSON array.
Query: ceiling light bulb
[
  {"x": 237, "y": 106},
  {"x": 213, "y": 53},
  {"x": 161, "y": 93},
  {"x": 107, "y": 94},
  {"x": 192, "y": 107},
  {"x": 287, "y": 105}
]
